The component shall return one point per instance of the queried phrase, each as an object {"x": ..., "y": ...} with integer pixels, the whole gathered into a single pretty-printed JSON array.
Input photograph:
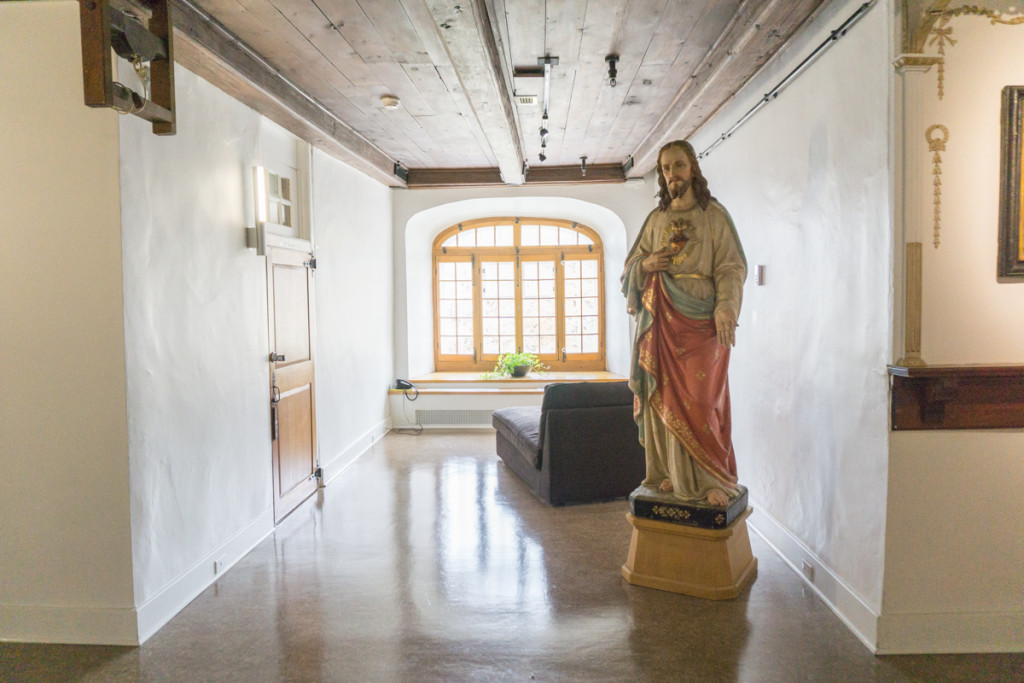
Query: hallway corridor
[{"x": 427, "y": 560}]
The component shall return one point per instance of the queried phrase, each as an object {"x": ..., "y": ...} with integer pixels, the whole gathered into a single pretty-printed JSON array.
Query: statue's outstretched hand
[{"x": 725, "y": 325}]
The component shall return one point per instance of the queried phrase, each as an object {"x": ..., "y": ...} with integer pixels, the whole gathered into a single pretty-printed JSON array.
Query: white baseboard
[
  {"x": 162, "y": 607},
  {"x": 68, "y": 625},
  {"x": 340, "y": 462},
  {"x": 911, "y": 634},
  {"x": 850, "y": 609}
]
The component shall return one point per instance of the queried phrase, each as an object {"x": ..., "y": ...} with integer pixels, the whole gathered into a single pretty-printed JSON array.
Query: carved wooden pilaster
[{"x": 910, "y": 216}]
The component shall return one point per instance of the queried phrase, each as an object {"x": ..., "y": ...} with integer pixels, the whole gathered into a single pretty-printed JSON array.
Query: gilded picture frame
[{"x": 1011, "y": 213}]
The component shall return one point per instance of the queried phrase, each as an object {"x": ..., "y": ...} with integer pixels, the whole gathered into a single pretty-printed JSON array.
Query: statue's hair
[{"x": 700, "y": 184}]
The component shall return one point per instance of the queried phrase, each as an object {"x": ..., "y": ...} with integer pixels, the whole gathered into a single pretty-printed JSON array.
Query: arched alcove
[{"x": 423, "y": 226}]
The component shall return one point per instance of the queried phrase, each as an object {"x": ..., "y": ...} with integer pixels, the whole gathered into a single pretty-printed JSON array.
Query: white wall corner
[
  {"x": 176, "y": 595},
  {"x": 911, "y": 634},
  {"x": 860, "y": 618},
  {"x": 360, "y": 447}
]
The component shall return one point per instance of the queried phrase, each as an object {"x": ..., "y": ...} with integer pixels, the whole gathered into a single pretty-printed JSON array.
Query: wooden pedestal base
[{"x": 707, "y": 563}]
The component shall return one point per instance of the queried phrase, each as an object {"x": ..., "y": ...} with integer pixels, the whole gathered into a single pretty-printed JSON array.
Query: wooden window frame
[{"x": 557, "y": 362}]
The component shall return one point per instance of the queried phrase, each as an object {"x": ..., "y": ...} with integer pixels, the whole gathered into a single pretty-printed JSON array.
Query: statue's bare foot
[
  {"x": 666, "y": 486},
  {"x": 718, "y": 497}
]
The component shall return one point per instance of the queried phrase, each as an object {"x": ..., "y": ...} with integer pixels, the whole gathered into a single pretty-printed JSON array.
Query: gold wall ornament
[
  {"x": 942, "y": 35},
  {"x": 994, "y": 15},
  {"x": 935, "y": 146}
]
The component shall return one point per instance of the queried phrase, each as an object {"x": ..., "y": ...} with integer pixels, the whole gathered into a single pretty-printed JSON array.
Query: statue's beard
[{"x": 678, "y": 188}]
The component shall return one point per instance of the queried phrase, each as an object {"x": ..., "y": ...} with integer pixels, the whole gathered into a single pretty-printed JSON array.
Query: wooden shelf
[{"x": 957, "y": 397}]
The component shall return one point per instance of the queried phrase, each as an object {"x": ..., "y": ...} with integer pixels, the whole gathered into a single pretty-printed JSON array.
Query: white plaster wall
[
  {"x": 807, "y": 183},
  {"x": 955, "y": 535},
  {"x": 65, "y": 555},
  {"x": 615, "y": 211},
  {"x": 196, "y": 336},
  {"x": 354, "y": 307}
]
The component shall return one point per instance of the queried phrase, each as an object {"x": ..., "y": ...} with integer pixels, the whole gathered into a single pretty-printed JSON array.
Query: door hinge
[
  {"x": 318, "y": 473},
  {"x": 311, "y": 263}
]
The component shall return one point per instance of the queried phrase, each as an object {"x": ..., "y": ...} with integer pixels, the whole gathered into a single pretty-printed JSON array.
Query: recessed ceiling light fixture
[{"x": 390, "y": 102}]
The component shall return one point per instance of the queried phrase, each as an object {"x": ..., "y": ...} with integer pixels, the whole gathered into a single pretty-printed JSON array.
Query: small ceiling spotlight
[
  {"x": 612, "y": 73},
  {"x": 390, "y": 102},
  {"x": 583, "y": 166}
]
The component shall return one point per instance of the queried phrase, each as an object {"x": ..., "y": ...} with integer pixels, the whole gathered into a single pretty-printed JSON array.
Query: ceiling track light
[
  {"x": 547, "y": 62},
  {"x": 612, "y": 73}
]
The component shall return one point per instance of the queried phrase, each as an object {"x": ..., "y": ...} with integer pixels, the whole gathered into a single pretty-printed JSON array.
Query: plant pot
[{"x": 521, "y": 370}]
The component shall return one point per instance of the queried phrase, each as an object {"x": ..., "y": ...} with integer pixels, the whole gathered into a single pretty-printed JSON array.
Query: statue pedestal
[{"x": 716, "y": 564}]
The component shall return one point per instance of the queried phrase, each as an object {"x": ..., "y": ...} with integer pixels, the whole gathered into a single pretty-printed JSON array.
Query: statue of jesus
[{"x": 683, "y": 283}]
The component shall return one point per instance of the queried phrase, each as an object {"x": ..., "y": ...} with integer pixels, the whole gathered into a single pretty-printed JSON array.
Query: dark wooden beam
[
  {"x": 423, "y": 178},
  {"x": 554, "y": 175},
  {"x": 567, "y": 175}
]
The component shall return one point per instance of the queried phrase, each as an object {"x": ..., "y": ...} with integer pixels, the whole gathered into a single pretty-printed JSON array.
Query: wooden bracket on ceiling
[{"x": 105, "y": 28}]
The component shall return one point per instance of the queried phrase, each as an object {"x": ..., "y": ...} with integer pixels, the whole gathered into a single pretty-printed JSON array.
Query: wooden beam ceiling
[
  {"x": 323, "y": 69},
  {"x": 472, "y": 49}
]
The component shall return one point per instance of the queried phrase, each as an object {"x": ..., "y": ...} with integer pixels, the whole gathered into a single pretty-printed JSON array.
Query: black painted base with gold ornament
[{"x": 647, "y": 503}]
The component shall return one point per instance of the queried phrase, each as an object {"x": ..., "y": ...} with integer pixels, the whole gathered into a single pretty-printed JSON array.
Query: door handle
[{"x": 276, "y": 357}]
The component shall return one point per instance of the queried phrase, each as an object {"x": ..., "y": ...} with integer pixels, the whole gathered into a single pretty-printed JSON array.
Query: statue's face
[{"x": 675, "y": 166}]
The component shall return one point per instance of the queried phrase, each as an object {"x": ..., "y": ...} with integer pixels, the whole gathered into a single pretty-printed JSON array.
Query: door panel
[{"x": 293, "y": 402}]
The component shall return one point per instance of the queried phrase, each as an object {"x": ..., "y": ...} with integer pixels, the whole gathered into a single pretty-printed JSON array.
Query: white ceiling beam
[{"x": 470, "y": 42}]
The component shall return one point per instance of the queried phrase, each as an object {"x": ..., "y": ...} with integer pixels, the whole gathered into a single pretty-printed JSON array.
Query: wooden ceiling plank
[
  {"x": 395, "y": 29},
  {"x": 526, "y": 39},
  {"x": 562, "y": 24},
  {"x": 473, "y": 52},
  {"x": 396, "y": 81},
  {"x": 313, "y": 25},
  {"x": 680, "y": 21},
  {"x": 429, "y": 86},
  {"x": 348, "y": 19},
  {"x": 427, "y": 31},
  {"x": 212, "y": 52},
  {"x": 599, "y": 31},
  {"x": 718, "y": 69},
  {"x": 466, "y": 113}
]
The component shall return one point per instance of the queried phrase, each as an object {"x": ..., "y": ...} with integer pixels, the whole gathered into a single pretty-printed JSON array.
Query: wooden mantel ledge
[
  {"x": 969, "y": 370},
  {"x": 970, "y": 396}
]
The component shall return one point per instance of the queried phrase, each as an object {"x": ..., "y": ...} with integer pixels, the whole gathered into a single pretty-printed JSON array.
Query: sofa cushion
[
  {"x": 521, "y": 426},
  {"x": 587, "y": 394}
]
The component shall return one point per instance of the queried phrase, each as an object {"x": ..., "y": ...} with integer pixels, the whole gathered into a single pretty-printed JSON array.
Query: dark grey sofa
[{"x": 580, "y": 445}]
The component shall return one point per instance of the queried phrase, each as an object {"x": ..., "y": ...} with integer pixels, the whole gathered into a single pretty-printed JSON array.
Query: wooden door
[{"x": 292, "y": 395}]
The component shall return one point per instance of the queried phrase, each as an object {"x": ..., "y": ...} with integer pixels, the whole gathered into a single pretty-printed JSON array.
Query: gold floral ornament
[
  {"x": 935, "y": 146},
  {"x": 942, "y": 36}
]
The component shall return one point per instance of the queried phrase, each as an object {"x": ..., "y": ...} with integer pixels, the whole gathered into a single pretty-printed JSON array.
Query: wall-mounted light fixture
[{"x": 612, "y": 73}]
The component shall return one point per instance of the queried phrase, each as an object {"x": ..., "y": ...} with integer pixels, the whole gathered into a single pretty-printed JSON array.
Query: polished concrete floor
[{"x": 427, "y": 560}]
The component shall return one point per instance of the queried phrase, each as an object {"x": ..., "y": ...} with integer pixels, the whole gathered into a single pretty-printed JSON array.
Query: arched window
[{"x": 518, "y": 284}]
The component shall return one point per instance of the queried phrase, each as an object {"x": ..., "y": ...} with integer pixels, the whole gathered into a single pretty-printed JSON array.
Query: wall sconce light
[{"x": 612, "y": 73}]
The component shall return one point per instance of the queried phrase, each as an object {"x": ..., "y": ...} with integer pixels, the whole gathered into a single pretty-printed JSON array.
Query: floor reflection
[{"x": 427, "y": 560}]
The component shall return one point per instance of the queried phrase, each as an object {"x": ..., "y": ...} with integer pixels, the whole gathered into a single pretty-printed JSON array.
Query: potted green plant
[{"x": 515, "y": 365}]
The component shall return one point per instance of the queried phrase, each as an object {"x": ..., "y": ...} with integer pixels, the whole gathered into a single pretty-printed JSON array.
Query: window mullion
[
  {"x": 478, "y": 338},
  {"x": 560, "y": 309},
  {"x": 519, "y": 302}
]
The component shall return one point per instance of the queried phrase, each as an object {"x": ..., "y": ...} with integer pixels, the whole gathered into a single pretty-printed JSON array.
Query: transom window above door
[{"x": 518, "y": 284}]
